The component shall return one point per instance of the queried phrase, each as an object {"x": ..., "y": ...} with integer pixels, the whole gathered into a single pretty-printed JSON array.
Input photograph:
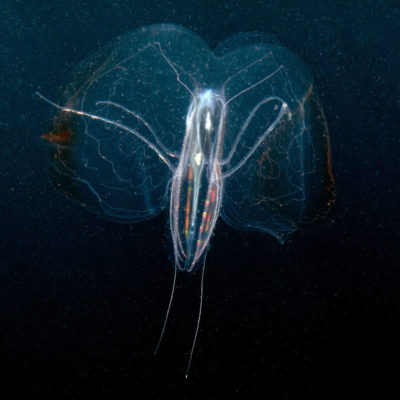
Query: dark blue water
[{"x": 82, "y": 300}]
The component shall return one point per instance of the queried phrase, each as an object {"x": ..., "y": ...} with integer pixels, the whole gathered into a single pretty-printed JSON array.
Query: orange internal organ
[{"x": 62, "y": 136}]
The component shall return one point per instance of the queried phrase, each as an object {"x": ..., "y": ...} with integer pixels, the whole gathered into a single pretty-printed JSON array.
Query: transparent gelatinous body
[{"x": 156, "y": 120}]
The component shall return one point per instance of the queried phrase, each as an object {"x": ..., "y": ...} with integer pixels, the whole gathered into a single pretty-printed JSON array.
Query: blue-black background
[{"x": 82, "y": 300}]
